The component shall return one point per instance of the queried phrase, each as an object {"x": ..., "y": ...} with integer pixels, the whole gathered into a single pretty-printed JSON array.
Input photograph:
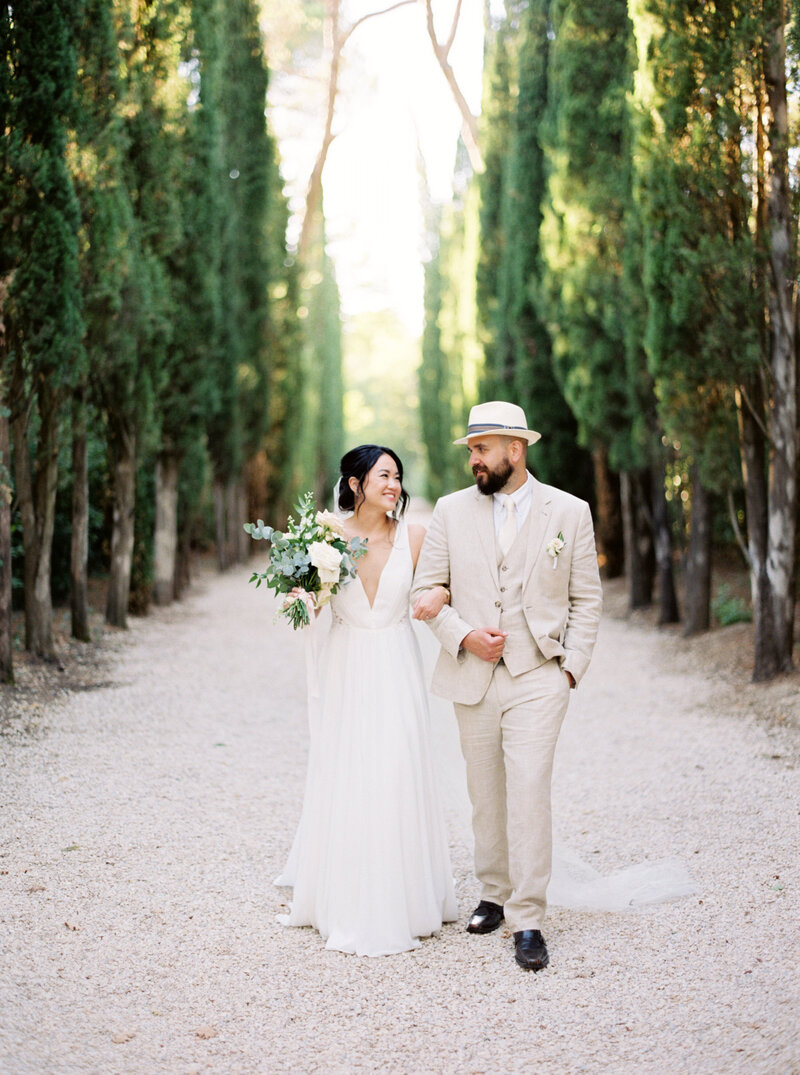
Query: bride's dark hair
[{"x": 357, "y": 463}]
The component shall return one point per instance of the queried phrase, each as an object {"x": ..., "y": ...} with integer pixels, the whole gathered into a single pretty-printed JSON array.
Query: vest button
[
  {"x": 505, "y": 567},
  {"x": 498, "y": 604},
  {"x": 502, "y": 589}
]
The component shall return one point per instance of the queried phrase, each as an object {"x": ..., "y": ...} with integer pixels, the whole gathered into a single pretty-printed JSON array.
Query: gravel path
[{"x": 143, "y": 823}]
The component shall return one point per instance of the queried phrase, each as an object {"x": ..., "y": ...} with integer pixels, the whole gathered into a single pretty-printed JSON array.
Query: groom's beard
[{"x": 492, "y": 481}]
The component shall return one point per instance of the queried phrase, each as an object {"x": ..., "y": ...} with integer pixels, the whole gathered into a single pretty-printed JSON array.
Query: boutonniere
[{"x": 555, "y": 547}]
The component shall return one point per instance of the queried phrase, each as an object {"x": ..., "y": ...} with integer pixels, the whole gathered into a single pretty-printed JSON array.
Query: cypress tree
[
  {"x": 451, "y": 358},
  {"x": 130, "y": 376},
  {"x": 321, "y": 444},
  {"x": 6, "y": 480},
  {"x": 496, "y": 125},
  {"x": 286, "y": 419},
  {"x": 185, "y": 402},
  {"x": 642, "y": 449},
  {"x": 775, "y": 626},
  {"x": 588, "y": 181},
  {"x": 284, "y": 389},
  {"x": 459, "y": 317},
  {"x": 699, "y": 263},
  {"x": 6, "y": 492},
  {"x": 39, "y": 268},
  {"x": 434, "y": 394},
  {"x": 107, "y": 259},
  {"x": 325, "y": 325},
  {"x": 241, "y": 386},
  {"x": 523, "y": 360}
]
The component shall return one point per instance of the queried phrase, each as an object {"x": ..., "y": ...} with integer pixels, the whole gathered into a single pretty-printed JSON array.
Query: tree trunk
[
  {"x": 637, "y": 536},
  {"x": 234, "y": 517},
  {"x": 79, "y": 546},
  {"x": 753, "y": 453},
  {"x": 697, "y": 602},
  {"x": 124, "y": 505},
  {"x": 6, "y": 631},
  {"x": 6, "y": 496},
  {"x": 220, "y": 528},
  {"x": 166, "y": 531},
  {"x": 662, "y": 539},
  {"x": 243, "y": 540},
  {"x": 183, "y": 564},
  {"x": 335, "y": 40},
  {"x": 37, "y": 501},
  {"x": 608, "y": 523},
  {"x": 783, "y": 428},
  {"x": 262, "y": 492}
]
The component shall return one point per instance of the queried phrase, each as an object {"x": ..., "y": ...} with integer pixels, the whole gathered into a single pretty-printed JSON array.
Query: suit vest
[{"x": 520, "y": 653}]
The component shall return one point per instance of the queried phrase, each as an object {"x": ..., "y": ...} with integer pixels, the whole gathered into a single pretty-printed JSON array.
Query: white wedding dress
[{"x": 370, "y": 865}]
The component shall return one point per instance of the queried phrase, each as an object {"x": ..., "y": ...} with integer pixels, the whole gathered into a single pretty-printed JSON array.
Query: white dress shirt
[{"x": 522, "y": 498}]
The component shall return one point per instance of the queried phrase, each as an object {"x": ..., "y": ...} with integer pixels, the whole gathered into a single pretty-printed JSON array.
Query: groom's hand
[{"x": 486, "y": 643}]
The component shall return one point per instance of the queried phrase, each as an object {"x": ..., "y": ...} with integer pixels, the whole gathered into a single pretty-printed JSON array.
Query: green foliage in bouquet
[{"x": 312, "y": 557}]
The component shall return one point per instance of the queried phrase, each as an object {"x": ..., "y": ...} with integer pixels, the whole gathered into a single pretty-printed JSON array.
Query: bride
[{"x": 370, "y": 865}]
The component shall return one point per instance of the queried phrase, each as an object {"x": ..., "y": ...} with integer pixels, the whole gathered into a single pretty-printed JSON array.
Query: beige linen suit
[{"x": 510, "y": 714}]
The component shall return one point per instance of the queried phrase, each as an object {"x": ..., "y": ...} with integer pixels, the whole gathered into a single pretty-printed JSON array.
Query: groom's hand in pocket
[{"x": 486, "y": 643}]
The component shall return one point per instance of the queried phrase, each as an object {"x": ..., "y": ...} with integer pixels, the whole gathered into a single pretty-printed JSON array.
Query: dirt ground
[
  {"x": 724, "y": 654},
  {"x": 149, "y": 790}
]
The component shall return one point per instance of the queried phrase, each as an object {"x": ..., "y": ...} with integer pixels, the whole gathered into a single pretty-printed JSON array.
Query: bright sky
[{"x": 393, "y": 99}]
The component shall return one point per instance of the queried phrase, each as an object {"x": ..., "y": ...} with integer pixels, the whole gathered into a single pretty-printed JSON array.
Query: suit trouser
[{"x": 508, "y": 740}]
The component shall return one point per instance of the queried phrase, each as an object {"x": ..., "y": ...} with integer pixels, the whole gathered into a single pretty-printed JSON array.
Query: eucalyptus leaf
[{"x": 259, "y": 531}]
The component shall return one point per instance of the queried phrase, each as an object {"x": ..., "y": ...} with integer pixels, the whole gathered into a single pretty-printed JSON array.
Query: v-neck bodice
[{"x": 351, "y": 607}]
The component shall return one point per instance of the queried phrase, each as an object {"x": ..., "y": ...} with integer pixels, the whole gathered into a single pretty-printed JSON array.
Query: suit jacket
[{"x": 561, "y": 604}]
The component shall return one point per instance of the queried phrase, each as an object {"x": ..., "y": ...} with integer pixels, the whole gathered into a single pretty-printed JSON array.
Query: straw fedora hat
[{"x": 498, "y": 419}]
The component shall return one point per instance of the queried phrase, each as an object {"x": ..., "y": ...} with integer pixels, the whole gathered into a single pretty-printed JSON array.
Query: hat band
[{"x": 484, "y": 427}]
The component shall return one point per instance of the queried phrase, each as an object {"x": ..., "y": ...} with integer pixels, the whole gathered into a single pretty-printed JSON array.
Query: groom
[{"x": 519, "y": 558}]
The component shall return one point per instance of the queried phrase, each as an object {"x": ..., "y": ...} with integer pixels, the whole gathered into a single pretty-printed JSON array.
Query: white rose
[
  {"x": 330, "y": 521},
  {"x": 324, "y": 595},
  {"x": 326, "y": 560},
  {"x": 555, "y": 546}
]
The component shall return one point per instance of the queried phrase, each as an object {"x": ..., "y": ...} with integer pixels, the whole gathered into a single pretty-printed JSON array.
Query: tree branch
[
  {"x": 374, "y": 15},
  {"x": 754, "y": 414},
  {"x": 737, "y": 532},
  {"x": 337, "y": 41},
  {"x": 453, "y": 27},
  {"x": 469, "y": 124},
  {"x": 314, "y": 189}
]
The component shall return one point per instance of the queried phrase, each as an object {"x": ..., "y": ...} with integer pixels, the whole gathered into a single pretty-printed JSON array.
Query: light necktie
[{"x": 508, "y": 530}]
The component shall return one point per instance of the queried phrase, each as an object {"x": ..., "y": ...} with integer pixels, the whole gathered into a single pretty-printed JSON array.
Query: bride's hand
[
  {"x": 431, "y": 603},
  {"x": 297, "y": 591}
]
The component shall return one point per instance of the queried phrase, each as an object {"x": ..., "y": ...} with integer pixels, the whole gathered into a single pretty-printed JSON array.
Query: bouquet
[{"x": 313, "y": 557}]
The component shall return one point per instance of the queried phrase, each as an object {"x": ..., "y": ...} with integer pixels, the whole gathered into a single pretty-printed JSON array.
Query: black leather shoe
[
  {"x": 485, "y": 918},
  {"x": 530, "y": 951}
]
